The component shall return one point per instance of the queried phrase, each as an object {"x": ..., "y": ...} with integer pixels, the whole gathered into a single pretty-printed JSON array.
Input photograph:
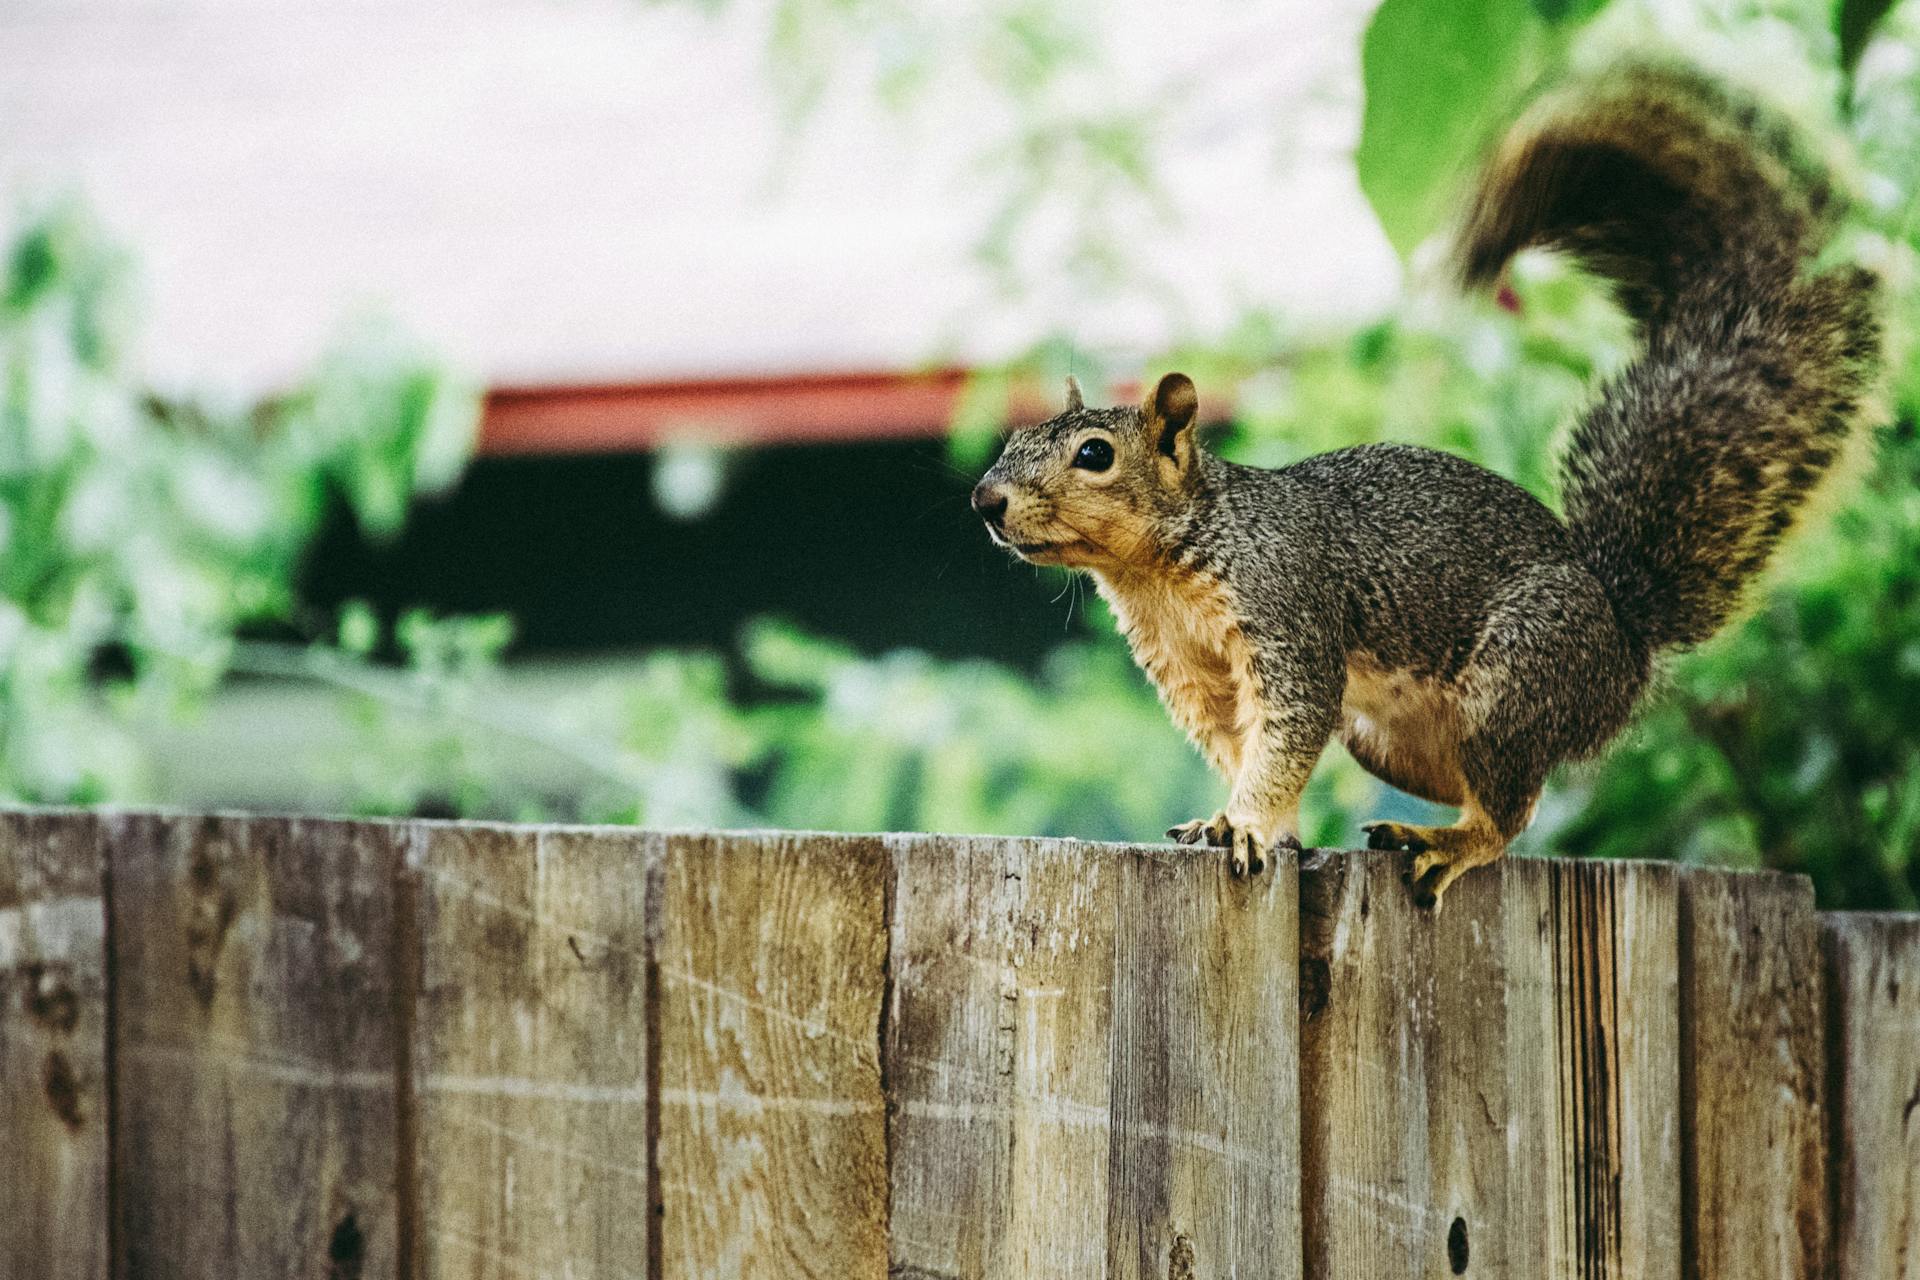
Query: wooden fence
[{"x": 288, "y": 1048}]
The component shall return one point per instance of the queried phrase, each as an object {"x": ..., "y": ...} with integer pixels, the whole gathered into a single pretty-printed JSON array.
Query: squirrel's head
[{"x": 1091, "y": 487}]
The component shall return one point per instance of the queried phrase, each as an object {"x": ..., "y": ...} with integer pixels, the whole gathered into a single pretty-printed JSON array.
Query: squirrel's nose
[{"x": 989, "y": 501}]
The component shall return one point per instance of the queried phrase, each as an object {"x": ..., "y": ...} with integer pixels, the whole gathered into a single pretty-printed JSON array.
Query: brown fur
[
  {"x": 1460, "y": 638},
  {"x": 1404, "y": 728},
  {"x": 1184, "y": 631}
]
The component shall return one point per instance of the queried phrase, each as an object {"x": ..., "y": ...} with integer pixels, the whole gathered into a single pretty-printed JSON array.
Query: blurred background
[{"x": 565, "y": 409}]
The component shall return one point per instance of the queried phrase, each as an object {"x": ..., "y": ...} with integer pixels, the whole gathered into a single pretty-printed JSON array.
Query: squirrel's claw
[
  {"x": 1254, "y": 853},
  {"x": 1249, "y": 855},
  {"x": 1441, "y": 854},
  {"x": 1215, "y": 832},
  {"x": 1434, "y": 873},
  {"x": 1399, "y": 836},
  {"x": 1393, "y": 835},
  {"x": 1247, "y": 852}
]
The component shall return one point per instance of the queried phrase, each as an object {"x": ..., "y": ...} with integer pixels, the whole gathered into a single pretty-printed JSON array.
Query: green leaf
[
  {"x": 1853, "y": 23},
  {"x": 1568, "y": 11},
  {"x": 1440, "y": 77},
  {"x": 34, "y": 268}
]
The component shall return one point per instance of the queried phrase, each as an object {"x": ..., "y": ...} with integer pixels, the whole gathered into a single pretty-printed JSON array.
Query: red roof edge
[
  {"x": 784, "y": 409},
  {"x": 811, "y": 408}
]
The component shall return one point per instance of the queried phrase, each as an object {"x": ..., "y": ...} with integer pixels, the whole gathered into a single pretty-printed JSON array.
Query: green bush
[{"x": 141, "y": 533}]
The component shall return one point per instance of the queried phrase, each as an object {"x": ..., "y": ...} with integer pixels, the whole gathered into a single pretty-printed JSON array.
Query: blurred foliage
[
  {"x": 1059, "y": 150},
  {"x": 143, "y": 536},
  {"x": 908, "y": 743},
  {"x": 1854, "y": 23},
  {"x": 1783, "y": 743},
  {"x": 1437, "y": 89},
  {"x": 140, "y": 533},
  {"x": 1790, "y": 742}
]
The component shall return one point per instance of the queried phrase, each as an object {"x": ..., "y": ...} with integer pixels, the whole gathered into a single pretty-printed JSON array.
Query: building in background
[{"x": 722, "y": 345}]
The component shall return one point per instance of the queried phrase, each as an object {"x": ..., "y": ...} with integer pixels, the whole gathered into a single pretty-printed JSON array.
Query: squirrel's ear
[
  {"x": 1170, "y": 409},
  {"x": 1074, "y": 402}
]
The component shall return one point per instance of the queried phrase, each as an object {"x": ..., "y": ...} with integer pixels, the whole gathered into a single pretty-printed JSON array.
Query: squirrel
[{"x": 1459, "y": 637}]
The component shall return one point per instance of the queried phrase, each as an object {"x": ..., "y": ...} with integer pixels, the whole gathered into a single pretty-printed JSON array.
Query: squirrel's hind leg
[
  {"x": 1443, "y": 854},
  {"x": 1498, "y": 806},
  {"x": 1551, "y": 678}
]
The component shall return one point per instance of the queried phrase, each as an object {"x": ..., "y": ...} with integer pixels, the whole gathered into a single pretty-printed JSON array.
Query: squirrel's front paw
[
  {"x": 1247, "y": 849},
  {"x": 1215, "y": 832},
  {"x": 1252, "y": 851}
]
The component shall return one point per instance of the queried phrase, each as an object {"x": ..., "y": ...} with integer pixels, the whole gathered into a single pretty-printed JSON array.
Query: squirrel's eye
[{"x": 1094, "y": 455}]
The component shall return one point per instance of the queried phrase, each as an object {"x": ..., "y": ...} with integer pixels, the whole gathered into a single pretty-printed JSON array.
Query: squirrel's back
[{"x": 1681, "y": 481}]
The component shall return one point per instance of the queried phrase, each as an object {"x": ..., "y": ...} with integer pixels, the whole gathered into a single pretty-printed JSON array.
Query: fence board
[
  {"x": 366, "y": 1050},
  {"x": 529, "y": 1052},
  {"x": 254, "y": 1029},
  {"x": 1593, "y": 1031},
  {"x": 998, "y": 1057},
  {"x": 1493, "y": 1090},
  {"x": 1753, "y": 1061},
  {"x": 770, "y": 958},
  {"x": 53, "y": 1078},
  {"x": 1873, "y": 1000},
  {"x": 1205, "y": 1170},
  {"x": 1403, "y": 1083},
  {"x": 948, "y": 1055}
]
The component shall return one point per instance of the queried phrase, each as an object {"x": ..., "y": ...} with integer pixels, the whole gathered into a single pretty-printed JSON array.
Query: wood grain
[
  {"x": 1492, "y": 1090},
  {"x": 1404, "y": 1159},
  {"x": 529, "y": 1054},
  {"x": 1873, "y": 1002},
  {"x": 949, "y": 1054},
  {"x": 999, "y": 1056},
  {"x": 359, "y": 1050},
  {"x": 1753, "y": 1066},
  {"x": 254, "y": 1037},
  {"x": 770, "y": 964},
  {"x": 1593, "y": 1051},
  {"x": 1205, "y": 1158},
  {"x": 53, "y": 1042}
]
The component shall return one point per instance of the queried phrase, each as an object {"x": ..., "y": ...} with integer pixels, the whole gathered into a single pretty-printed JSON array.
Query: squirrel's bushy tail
[{"x": 1684, "y": 477}]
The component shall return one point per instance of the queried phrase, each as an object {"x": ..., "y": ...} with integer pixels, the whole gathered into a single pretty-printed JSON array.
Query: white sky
[{"x": 553, "y": 191}]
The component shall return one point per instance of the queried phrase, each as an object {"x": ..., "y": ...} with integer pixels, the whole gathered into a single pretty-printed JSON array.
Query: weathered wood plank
[
  {"x": 769, "y": 955},
  {"x": 359, "y": 1050},
  {"x": 1593, "y": 1052},
  {"x": 1404, "y": 1125},
  {"x": 1205, "y": 1161},
  {"x": 529, "y": 1051},
  {"x": 998, "y": 1057},
  {"x": 254, "y": 1028},
  {"x": 1873, "y": 1003},
  {"x": 1493, "y": 1090},
  {"x": 949, "y": 1049},
  {"x": 53, "y": 1041},
  {"x": 1753, "y": 1121}
]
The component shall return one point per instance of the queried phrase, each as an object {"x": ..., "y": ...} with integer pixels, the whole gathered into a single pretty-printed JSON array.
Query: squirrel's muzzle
[{"x": 990, "y": 502}]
